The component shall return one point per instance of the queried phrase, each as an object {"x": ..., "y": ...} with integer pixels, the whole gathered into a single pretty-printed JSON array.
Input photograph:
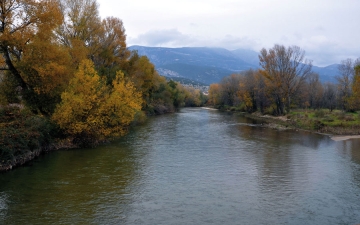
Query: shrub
[
  {"x": 21, "y": 132},
  {"x": 140, "y": 118},
  {"x": 319, "y": 113},
  {"x": 271, "y": 110},
  {"x": 340, "y": 115},
  {"x": 349, "y": 118},
  {"x": 317, "y": 125}
]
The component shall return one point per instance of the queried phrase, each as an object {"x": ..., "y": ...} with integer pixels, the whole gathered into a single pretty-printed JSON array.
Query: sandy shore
[
  {"x": 209, "y": 108},
  {"x": 345, "y": 137}
]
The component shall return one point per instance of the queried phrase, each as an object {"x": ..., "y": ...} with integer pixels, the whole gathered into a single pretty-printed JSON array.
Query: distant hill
[
  {"x": 209, "y": 65},
  {"x": 205, "y": 65},
  {"x": 247, "y": 55},
  {"x": 186, "y": 81},
  {"x": 327, "y": 73}
]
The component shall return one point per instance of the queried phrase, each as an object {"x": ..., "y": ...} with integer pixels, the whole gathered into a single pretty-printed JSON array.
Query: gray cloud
[
  {"x": 174, "y": 38},
  {"x": 161, "y": 38},
  {"x": 322, "y": 50},
  {"x": 325, "y": 29}
]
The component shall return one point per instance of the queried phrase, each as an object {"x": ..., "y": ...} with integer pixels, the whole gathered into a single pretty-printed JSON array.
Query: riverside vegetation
[
  {"x": 287, "y": 91},
  {"x": 68, "y": 79}
]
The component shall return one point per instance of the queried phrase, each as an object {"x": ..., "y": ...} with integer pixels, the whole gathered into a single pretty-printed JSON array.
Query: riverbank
[
  {"x": 338, "y": 125},
  {"x": 25, "y": 136}
]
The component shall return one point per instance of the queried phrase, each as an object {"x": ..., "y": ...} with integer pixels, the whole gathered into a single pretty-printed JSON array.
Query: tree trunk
[{"x": 12, "y": 68}]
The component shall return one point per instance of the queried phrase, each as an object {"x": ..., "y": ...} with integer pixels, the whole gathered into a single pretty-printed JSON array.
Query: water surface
[{"x": 194, "y": 167}]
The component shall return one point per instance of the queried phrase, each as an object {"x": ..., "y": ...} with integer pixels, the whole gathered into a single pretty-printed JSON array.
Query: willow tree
[{"x": 287, "y": 69}]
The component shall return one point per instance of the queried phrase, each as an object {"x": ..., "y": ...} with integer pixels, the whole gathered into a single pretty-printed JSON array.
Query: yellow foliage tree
[
  {"x": 20, "y": 22},
  {"x": 354, "y": 101},
  {"x": 245, "y": 97},
  {"x": 119, "y": 106},
  {"x": 214, "y": 94},
  {"x": 91, "y": 110}
]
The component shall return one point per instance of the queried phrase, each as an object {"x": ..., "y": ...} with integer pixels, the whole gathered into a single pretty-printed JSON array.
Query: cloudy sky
[{"x": 328, "y": 30}]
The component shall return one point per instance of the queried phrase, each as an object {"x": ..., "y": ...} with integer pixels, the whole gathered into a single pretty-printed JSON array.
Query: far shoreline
[
  {"x": 344, "y": 137},
  {"x": 282, "y": 123}
]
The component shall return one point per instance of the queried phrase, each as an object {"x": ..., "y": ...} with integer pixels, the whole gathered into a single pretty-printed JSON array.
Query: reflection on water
[{"x": 194, "y": 167}]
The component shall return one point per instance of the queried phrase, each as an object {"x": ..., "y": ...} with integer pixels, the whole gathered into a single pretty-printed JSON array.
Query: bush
[
  {"x": 232, "y": 108},
  {"x": 317, "y": 125},
  {"x": 242, "y": 107},
  {"x": 319, "y": 113},
  {"x": 21, "y": 132},
  {"x": 271, "y": 110},
  {"x": 140, "y": 118},
  {"x": 328, "y": 118},
  {"x": 340, "y": 115},
  {"x": 349, "y": 118}
]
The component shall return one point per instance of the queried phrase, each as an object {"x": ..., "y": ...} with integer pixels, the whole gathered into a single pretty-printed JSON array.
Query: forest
[
  {"x": 67, "y": 79},
  {"x": 285, "y": 82},
  {"x": 285, "y": 86}
]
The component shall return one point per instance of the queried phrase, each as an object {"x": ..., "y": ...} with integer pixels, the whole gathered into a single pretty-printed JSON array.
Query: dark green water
[{"x": 194, "y": 167}]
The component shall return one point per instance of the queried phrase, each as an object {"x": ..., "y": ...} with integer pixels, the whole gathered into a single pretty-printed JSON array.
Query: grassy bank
[{"x": 334, "y": 122}]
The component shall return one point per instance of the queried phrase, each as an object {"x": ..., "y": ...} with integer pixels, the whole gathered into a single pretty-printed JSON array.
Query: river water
[{"x": 197, "y": 166}]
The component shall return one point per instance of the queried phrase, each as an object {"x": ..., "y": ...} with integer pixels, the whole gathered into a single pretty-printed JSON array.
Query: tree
[
  {"x": 111, "y": 53},
  {"x": 229, "y": 89},
  {"x": 330, "y": 95},
  {"x": 287, "y": 69},
  {"x": 214, "y": 94},
  {"x": 194, "y": 97},
  {"x": 46, "y": 68},
  {"x": 250, "y": 90},
  {"x": 177, "y": 93},
  {"x": 81, "y": 22},
  {"x": 345, "y": 80},
  {"x": 92, "y": 110},
  {"x": 90, "y": 37},
  {"x": 315, "y": 91},
  {"x": 355, "y": 98},
  {"x": 22, "y": 21},
  {"x": 143, "y": 74}
]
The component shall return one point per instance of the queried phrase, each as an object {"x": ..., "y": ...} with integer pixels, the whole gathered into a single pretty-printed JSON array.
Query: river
[{"x": 197, "y": 166}]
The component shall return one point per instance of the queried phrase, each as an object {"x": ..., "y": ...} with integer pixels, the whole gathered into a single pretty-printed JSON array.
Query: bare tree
[
  {"x": 330, "y": 95},
  {"x": 229, "y": 89},
  {"x": 287, "y": 69},
  {"x": 345, "y": 80},
  {"x": 82, "y": 21},
  {"x": 315, "y": 91}
]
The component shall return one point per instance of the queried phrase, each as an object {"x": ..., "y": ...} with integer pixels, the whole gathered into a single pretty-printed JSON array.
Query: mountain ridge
[{"x": 209, "y": 65}]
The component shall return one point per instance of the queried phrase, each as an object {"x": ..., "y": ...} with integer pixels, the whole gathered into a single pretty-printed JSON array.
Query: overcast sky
[{"x": 328, "y": 30}]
